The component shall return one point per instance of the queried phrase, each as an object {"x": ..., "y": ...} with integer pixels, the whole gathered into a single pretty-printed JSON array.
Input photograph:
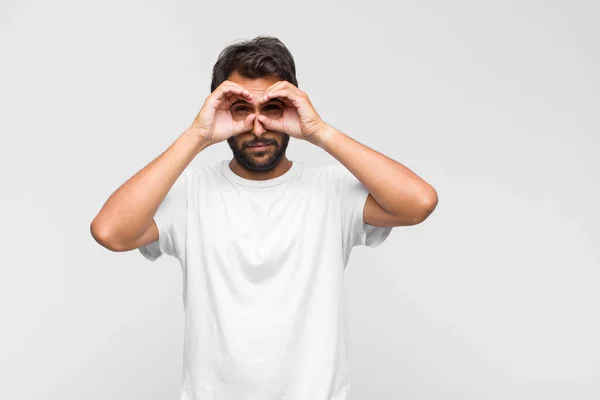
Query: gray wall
[{"x": 496, "y": 104}]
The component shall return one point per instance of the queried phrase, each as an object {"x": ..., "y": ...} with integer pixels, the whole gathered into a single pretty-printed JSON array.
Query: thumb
[
  {"x": 245, "y": 125},
  {"x": 271, "y": 124}
]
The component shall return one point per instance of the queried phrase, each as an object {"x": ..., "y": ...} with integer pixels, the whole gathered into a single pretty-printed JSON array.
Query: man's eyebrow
[{"x": 241, "y": 101}]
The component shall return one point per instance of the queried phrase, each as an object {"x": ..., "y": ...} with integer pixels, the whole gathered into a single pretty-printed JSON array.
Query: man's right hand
[{"x": 214, "y": 123}]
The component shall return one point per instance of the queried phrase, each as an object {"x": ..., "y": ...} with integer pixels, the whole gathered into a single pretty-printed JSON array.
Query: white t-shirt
[{"x": 263, "y": 265}]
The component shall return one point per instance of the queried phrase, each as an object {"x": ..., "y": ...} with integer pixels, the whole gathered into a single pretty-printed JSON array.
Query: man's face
[{"x": 257, "y": 159}]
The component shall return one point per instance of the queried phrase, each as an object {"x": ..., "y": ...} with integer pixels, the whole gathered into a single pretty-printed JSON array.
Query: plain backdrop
[{"x": 494, "y": 103}]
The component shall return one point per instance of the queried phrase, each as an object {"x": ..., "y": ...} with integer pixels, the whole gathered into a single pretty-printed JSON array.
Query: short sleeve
[
  {"x": 353, "y": 196},
  {"x": 171, "y": 221}
]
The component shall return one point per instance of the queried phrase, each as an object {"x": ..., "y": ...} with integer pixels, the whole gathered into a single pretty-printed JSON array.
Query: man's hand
[
  {"x": 214, "y": 122},
  {"x": 299, "y": 119}
]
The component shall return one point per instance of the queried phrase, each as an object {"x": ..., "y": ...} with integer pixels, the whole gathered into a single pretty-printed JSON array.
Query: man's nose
[{"x": 258, "y": 129}]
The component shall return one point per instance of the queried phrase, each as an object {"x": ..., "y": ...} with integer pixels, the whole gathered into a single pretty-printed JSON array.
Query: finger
[
  {"x": 270, "y": 89},
  {"x": 245, "y": 91},
  {"x": 283, "y": 85},
  {"x": 225, "y": 93},
  {"x": 276, "y": 85},
  {"x": 231, "y": 88},
  {"x": 292, "y": 97}
]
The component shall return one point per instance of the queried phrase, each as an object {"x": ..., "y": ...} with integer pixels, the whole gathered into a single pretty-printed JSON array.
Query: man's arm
[
  {"x": 397, "y": 196},
  {"x": 125, "y": 222}
]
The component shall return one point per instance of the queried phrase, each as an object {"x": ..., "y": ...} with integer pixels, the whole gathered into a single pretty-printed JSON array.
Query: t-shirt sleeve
[
  {"x": 171, "y": 221},
  {"x": 353, "y": 196}
]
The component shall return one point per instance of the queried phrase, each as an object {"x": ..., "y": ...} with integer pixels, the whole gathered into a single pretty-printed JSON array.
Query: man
[{"x": 263, "y": 241}]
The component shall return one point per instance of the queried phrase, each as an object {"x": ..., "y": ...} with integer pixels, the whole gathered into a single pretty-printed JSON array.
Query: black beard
[{"x": 247, "y": 161}]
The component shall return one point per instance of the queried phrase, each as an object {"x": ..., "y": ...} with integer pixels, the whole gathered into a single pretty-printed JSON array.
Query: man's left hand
[{"x": 299, "y": 118}]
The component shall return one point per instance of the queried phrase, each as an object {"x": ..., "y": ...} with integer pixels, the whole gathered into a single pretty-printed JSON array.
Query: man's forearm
[
  {"x": 130, "y": 209},
  {"x": 395, "y": 187}
]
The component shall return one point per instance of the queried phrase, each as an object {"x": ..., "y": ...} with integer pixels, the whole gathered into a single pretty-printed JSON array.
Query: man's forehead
[{"x": 258, "y": 84}]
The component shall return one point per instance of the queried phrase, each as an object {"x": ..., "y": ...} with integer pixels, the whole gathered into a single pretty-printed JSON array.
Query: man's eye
[{"x": 271, "y": 107}]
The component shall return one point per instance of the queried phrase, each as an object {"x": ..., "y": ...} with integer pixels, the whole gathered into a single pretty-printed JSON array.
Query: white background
[{"x": 496, "y": 104}]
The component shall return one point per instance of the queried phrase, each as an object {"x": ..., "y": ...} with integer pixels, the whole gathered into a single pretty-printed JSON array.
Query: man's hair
[{"x": 255, "y": 58}]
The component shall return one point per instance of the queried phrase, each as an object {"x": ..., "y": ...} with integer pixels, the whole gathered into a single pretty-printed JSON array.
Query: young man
[{"x": 263, "y": 241}]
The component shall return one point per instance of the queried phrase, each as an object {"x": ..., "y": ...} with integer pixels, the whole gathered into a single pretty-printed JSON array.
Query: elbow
[
  {"x": 103, "y": 237},
  {"x": 429, "y": 204},
  {"x": 431, "y": 201}
]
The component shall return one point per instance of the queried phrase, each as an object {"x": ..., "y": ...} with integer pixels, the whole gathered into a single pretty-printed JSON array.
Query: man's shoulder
[{"x": 198, "y": 170}]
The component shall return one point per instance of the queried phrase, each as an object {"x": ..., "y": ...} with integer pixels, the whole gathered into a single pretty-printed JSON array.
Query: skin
[{"x": 258, "y": 164}]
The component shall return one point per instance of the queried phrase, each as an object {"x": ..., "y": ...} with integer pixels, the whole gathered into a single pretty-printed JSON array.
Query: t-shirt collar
[{"x": 235, "y": 178}]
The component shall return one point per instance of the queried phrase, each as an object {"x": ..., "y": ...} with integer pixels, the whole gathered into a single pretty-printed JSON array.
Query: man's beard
[{"x": 254, "y": 160}]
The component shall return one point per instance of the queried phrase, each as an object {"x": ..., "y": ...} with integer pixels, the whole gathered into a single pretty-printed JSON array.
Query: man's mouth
[{"x": 260, "y": 145}]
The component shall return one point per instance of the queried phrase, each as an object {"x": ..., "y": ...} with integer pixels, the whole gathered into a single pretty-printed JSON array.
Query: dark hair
[{"x": 261, "y": 56}]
